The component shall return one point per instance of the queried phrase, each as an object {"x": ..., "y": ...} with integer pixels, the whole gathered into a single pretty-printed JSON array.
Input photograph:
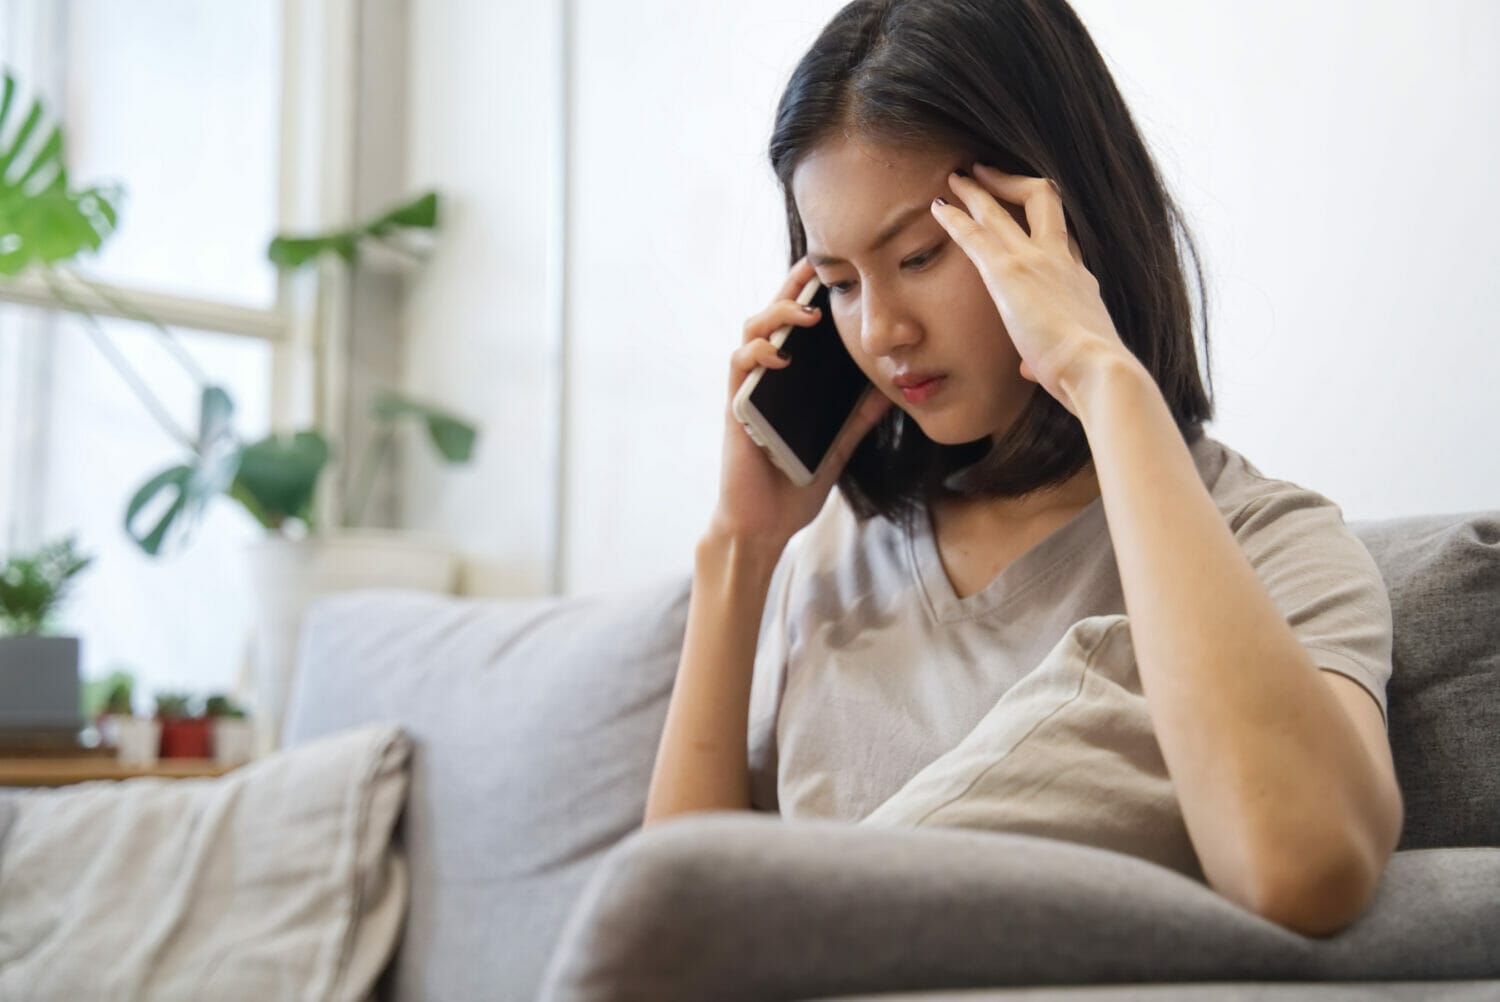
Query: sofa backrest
[
  {"x": 535, "y": 725},
  {"x": 1443, "y": 576}
]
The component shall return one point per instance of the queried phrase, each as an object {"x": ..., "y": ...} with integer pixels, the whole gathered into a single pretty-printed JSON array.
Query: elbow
[
  {"x": 1321, "y": 900},
  {"x": 1321, "y": 893}
]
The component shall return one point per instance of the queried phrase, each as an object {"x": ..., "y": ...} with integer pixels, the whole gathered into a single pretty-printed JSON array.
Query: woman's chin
[{"x": 942, "y": 432}]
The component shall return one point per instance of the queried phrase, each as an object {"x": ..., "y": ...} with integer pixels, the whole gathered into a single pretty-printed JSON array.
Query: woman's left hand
[{"x": 1049, "y": 301}]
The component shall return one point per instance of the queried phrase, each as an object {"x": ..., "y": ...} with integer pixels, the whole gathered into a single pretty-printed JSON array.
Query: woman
[{"x": 966, "y": 179}]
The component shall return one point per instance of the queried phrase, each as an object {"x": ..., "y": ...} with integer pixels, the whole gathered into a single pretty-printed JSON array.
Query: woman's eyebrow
[{"x": 886, "y": 235}]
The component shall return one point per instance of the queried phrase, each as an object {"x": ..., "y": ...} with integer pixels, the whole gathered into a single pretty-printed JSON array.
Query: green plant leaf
[
  {"x": 110, "y": 694},
  {"x": 208, "y": 473},
  {"x": 293, "y": 252},
  {"x": 452, "y": 436},
  {"x": 222, "y": 705},
  {"x": 174, "y": 705},
  {"x": 280, "y": 475},
  {"x": 42, "y": 221},
  {"x": 215, "y": 412},
  {"x": 420, "y": 213},
  {"x": 175, "y": 478},
  {"x": 33, "y": 585}
]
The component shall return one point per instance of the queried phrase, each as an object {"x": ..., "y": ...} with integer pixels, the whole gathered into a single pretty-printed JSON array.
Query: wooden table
[{"x": 64, "y": 769}]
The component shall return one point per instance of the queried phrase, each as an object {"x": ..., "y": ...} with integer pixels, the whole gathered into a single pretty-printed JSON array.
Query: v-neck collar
[
  {"x": 1044, "y": 559},
  {"x": 1041, "y": 560}
]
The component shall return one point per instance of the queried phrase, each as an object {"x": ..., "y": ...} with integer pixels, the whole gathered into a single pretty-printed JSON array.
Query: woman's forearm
[
  {"x": 701, "y": 762},
  {"x": 1275, "y": 785}
]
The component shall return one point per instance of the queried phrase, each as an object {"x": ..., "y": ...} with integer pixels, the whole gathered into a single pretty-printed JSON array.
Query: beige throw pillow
[
  {"x": 1069, "y": 752},
  {"x": 276, "y": 881}
]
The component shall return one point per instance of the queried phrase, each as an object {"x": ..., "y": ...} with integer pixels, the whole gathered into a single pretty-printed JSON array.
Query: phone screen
[{"x": 808, "y": 401}]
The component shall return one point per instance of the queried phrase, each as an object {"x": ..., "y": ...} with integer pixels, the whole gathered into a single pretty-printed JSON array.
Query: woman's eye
[{"x": 838, "y": 288}]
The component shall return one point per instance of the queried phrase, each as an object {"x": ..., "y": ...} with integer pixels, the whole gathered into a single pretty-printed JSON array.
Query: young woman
[{"x": 1002, "y": 261}]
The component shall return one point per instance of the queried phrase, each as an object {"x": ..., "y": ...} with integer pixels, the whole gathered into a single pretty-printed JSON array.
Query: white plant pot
[
  {"x": 288, "y": 575},
  {"x": 137, "y": 739},
  {"x": 234, "y": 741}
]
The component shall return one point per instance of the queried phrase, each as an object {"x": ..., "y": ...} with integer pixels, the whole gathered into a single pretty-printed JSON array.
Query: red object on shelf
[{"x": 186, "y": 737}]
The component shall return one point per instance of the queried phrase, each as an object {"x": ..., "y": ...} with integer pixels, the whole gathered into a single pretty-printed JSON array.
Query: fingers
[
  {"x": 1039, "y": 196},
  {"x": 747, "y": 356},
  {"x": 759, "y": 351},
  {"x": 796, "y": 279},
  {"x": 755, "y": 345},
  {"x": 778, "y": 315}
]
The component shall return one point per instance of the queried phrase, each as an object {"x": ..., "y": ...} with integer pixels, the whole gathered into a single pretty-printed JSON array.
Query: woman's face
[{"x": 915, "y": 304}]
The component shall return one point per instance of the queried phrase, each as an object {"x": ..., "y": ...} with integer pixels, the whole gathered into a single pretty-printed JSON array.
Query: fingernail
[
  {"x": 940, "y": 200},
  {"x": 809, "y": 309},
  {"x": 783, "y": 354},
  {"x": 961, "y": 172}
]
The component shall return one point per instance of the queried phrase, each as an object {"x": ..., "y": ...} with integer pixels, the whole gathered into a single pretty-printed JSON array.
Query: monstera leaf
[
  {"x": 190, "y": 486},
  {"x": 279, "y": 475},
  {"x": 42, "y": 221}
]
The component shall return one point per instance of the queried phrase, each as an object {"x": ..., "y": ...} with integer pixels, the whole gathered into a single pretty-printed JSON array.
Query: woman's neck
[{"x": 1004, "y": 515}]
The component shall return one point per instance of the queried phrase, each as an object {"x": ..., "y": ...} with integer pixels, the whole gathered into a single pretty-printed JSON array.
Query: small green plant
[
  {"x": 174, "y": 706},
  {"x": 32, "y": 586},
  {"x": 111, "y": 694},
  {"x": 220, "y": 705}
]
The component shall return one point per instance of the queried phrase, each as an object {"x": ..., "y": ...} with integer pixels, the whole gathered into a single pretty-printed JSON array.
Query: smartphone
[{"x": 796, "y": 412}]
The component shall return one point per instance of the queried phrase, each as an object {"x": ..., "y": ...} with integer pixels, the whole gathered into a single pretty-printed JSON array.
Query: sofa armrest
[{"x": 741, "y": 906}]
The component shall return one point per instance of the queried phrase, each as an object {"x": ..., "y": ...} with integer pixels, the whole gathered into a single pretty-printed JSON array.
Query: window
[
  {"x": 180, "y": 102},
  {"x": 178, "y": 99}
]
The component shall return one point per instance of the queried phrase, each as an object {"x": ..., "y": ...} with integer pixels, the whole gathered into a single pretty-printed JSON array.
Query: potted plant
[
  {"x": 233, "y": 738},
  {"x": 39, "y": 683},
  {"x": 107, "y": 699},
  {"x": 184, "y": 732},
  {"x": 45, "y": 224},
  {"x": 136, "y": 740}
]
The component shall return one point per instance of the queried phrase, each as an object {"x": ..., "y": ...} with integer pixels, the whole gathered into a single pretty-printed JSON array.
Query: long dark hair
[{"x": 1018, "y": 84}]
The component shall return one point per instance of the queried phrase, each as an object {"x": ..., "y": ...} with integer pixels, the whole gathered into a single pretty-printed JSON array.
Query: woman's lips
[{"x": 923, "y": 391}]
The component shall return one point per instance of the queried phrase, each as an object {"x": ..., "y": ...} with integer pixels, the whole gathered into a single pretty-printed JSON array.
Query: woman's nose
[{"x": 885, "y": 326}]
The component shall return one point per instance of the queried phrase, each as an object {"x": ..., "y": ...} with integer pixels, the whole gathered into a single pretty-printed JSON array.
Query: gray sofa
[{"x": 536, "y": 723}]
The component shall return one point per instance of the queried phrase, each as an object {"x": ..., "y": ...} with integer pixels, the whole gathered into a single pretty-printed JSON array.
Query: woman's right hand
[{"x": 757, "y": 501}]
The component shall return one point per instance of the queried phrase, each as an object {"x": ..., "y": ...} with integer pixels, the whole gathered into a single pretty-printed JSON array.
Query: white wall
[
  {"x": 1334, "y": 160},
  {"x": 480, "y": 124}
]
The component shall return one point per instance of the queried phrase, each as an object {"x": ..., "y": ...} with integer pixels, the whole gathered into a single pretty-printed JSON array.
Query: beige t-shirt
[{"x": 869, "y": 666}]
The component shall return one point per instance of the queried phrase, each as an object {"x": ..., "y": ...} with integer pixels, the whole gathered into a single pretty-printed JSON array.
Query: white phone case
[{"x": 755, "y": 423}]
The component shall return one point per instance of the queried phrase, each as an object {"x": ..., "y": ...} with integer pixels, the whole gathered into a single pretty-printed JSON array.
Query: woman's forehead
[{"x": 846, "y": 190}]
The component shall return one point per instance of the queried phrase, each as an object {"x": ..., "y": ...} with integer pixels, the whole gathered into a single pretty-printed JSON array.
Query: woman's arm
[
  {"x": 701, "y": 763},
  {"x": 1293, "y": 812}
]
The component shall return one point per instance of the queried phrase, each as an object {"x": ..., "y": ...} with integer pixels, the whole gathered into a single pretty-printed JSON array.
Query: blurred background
[{"x": 608, "y": 220}]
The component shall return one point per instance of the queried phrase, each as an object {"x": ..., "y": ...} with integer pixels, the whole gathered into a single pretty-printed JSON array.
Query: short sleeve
[
  {"x": 768, "y": 683},
  {"x": 1323, "y": 580}
]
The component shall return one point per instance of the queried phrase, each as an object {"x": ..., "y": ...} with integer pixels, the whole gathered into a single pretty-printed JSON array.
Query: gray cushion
[
  {"x": 1209, "y": 991},
  {"x": 734, "y": 906},
  {"x": 535, "y": 725},
  {"x": 1443, "y": 574}
]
